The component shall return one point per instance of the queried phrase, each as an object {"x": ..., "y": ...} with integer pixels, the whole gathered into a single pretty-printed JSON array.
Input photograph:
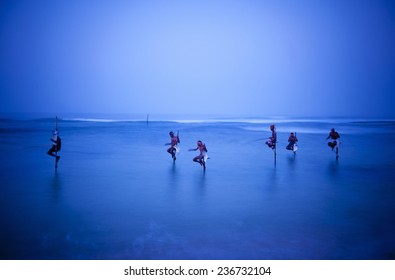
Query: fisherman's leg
[
  {"x": 57, "y": 157},
  {"x": 201, "y": 161},
  {"x": 173, "y": 153},
  {"x": 51, "y": 151},
  {"x": 197, "y": 159},
  {"x": 203, "y": 164},
  {"x": 334, "y": 145}
]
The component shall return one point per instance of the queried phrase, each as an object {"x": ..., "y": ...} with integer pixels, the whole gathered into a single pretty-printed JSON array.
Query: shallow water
[{"x": 118, "y": 195}]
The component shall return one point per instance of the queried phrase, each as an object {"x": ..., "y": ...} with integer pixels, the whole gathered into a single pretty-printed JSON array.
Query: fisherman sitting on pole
[{"x": 57, "y": 144}]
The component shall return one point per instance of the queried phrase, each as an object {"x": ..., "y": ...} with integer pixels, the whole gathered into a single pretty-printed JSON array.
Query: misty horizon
[{"x": 249, "y": 58}]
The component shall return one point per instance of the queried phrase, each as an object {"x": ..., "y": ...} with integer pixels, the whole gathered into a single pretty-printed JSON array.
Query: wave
[
  {"x": 106, "y": 120},
  {"x": 201, "y": 120},
  {"x": 309, "y": 130},
  {"x": 284, "y": 120},
  {"x": 102, "y": 120},
  {"x": 235, "y": 120},
  {"x": 249, "y": 121}
]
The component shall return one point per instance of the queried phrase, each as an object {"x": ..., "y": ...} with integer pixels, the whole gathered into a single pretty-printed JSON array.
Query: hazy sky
[{"x": 296, "y": 58}]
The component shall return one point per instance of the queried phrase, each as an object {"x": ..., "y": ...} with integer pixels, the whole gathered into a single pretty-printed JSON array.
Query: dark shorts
[
  {"x": 52, "y": 150},
  {"x": 332, "y": 144},
  {"x": 271, "y": 144},
  {"x": 290, "y": 146},
  {"x": 199, "y": 157}
]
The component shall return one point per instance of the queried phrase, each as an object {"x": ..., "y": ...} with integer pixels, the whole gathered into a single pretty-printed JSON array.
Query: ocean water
[{"x": 118, "y": 195}]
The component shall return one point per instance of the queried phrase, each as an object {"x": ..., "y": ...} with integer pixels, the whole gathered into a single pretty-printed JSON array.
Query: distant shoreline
[{"x": 108, "y": 118}]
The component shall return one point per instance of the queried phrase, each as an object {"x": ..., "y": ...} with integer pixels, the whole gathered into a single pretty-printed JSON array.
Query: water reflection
[
  {"x": 291, "y": 159},
  {"x": 273, "y": 182},
  {"x": 56, "y": 184},
  {"x": 173, "y": 174},
  {"x": 200, "y": 183},
  {"x": 333, "y": 168},
  {"x": 173, "y": 181},
  {"x": 173, "y": 170},
  {"x": 201, "y": 179}
]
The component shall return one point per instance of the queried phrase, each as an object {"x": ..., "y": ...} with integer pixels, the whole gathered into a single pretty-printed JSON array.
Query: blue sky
[{"x": 250, "y": 58}]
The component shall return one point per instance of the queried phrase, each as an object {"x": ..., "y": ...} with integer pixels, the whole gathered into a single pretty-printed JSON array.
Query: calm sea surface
[{"x": 118, "y": 195}]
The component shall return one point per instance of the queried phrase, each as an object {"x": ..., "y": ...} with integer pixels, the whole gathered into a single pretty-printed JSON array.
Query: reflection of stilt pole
[
  {"x": 275, "y": 154},
  {"x": 147, "y": 118}
]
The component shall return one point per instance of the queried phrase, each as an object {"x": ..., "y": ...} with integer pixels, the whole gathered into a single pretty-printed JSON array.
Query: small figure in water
[
  {"x": 202, "y": 157},
  {"x": 271, "y": 143},
  {"x": 173, "y": 145},
  {"x": 334, "y": 144},
  {"x": 292, "y": 142},
  {"x": 57, "y": 144}
]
